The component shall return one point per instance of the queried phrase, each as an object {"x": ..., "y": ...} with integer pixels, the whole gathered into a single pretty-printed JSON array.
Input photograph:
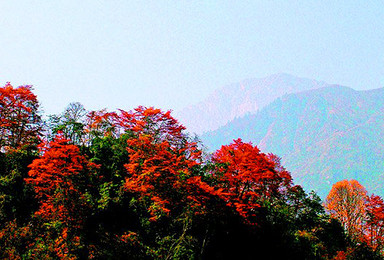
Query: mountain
[
  {"x": 323, "y": 136},
  {"x": 236, "y": 100}
]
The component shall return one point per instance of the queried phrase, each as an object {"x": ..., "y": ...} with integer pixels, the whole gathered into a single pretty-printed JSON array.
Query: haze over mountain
[
  {"x": 238, "y": 99},
  {"x": 323, "y": 135}
]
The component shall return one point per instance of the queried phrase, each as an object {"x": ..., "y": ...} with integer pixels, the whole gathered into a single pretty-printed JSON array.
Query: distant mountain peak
[
  {"x": 238, "y": 99},
  {"x": 323, "y": 135}
]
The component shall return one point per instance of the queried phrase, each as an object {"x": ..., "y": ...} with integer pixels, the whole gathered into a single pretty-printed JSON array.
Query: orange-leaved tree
[
  {"x": 60, "y": 178},
  {"x": 248, "y": 177},
  {"x": 161, "y": 163},
  {"x": 100, "y": 124},
  {"x": 347, "y": 202},
  {"x": 152, "y": 122},
  {"x": 164, "y": 173},
  {"x": 374, "y": 229},
  {"x": 20, "y": 122}
]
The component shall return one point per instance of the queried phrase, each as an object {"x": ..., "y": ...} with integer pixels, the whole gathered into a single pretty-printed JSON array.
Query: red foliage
[
  {"x": 361, "y": 216},
  {"x": 247, "y": 176},
  {"x": 375, "y": 222},
  {"x": 19, "y": 119},
  {"x": 58, "y": 178},
  {"x": 13, "y": 239},
  {"x": 162, "y": 173},
  {"x": 101, "y": 123},
  {"x": 161, "y": 162},
  {"x": 153, "y": 122},
  {"x": 142, "y": 120}
]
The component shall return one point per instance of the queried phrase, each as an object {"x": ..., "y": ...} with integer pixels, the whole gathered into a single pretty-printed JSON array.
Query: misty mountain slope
[
  {"x": 239, "y": 99},
  {"x": 323, "y": 136}
]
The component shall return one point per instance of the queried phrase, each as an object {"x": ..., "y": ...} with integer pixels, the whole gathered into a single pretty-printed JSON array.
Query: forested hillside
[
  {"x": 323, "y": 135},
  {"x": 236, "y": 100},
  {"x": 134, "y": 185}
]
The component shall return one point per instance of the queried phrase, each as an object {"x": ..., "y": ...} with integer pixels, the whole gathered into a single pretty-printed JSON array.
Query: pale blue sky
[{"x": 121, "y": 54}]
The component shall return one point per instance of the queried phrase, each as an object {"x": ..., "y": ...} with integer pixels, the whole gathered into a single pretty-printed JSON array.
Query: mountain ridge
[
  {"x": 323, "y": 135},
  {"x": 238, "y": 99}
]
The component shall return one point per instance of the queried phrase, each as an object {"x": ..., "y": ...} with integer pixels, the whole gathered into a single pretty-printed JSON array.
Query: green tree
[{"x": 70, "y": 123}]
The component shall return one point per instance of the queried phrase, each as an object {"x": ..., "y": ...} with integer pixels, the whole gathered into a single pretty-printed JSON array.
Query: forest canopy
[{"x": 135, "y": 185}]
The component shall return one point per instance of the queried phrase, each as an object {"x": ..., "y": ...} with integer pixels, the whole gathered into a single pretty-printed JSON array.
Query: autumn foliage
[
  {"x": 20, "y": 123},
  {"x": 246, "y": 177},
  {"x": 361, "y": 215},
  {"x": 346, "y": 202},
  {"x": 375, "y": 222},
  {"x": 59, "y": 178},
  {"x": 135, "y": 185},
  {"x": 161, "y": 162}
]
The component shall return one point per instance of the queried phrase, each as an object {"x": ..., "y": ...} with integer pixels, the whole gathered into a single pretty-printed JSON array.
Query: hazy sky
[{"x": 121, "y": 54}]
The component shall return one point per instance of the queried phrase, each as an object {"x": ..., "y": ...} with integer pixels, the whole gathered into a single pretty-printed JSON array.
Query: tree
[
  {"x": 101, "y": 124},
  {"x": 14, "y": 240},
  {"x": 374, "y": 229},
  {"x": 248, "y": 177},
  {"x": 16, "y": 198},
  {"x": 152, "y": 122},
  {"x": 161, "y": 160},
  {"x": 20, "y": 122},
  {"x": 59, "y": 178},
  {"x": 70, "y": 123},
  {"x": 347, "y": 202},
  {"x": 161, "y": 181}
]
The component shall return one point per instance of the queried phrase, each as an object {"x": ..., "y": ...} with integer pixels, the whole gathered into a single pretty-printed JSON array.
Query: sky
[{"x": 170, "y": 54}]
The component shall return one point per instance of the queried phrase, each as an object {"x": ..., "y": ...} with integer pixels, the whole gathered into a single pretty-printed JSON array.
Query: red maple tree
[
  {"x": 374, "y": 228},
  {"x": 20, "y": 123},
  {"x": 247, "y": 177},
  {"x": 59, "y": 179},
  {"x": 161, "y": 162}
]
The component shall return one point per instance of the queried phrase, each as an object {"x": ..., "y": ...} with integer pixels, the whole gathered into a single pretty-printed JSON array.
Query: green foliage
[
  {"x": 144, "y": 191},
  {"x": 16, "y": 197},
  {"x": 70, "y": 123}
]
